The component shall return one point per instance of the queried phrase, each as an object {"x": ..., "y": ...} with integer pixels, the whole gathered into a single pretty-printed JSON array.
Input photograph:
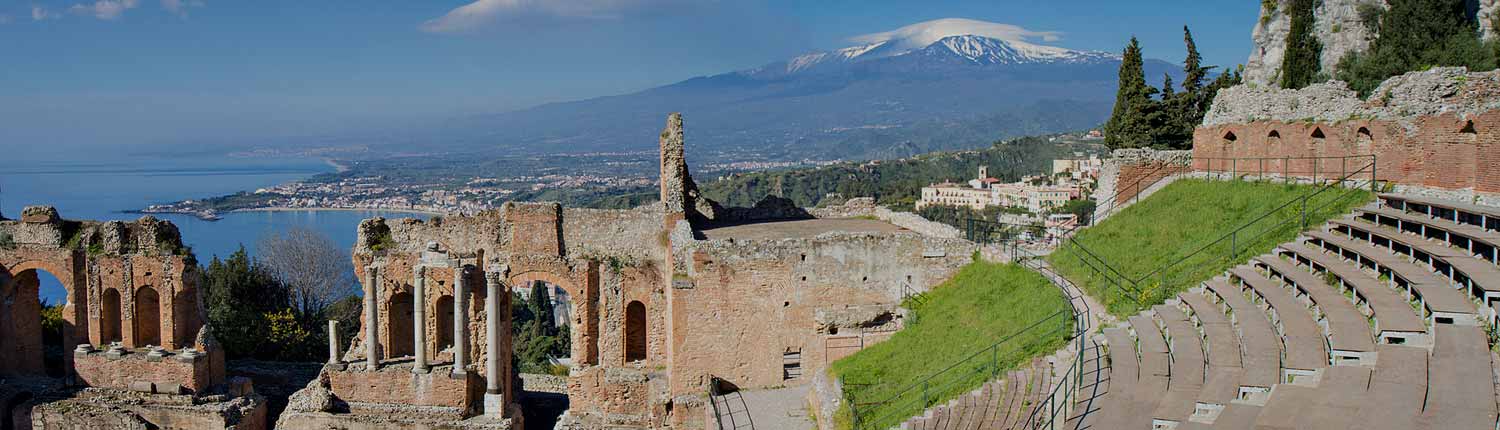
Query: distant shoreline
[{"x": 291, "y": 209}]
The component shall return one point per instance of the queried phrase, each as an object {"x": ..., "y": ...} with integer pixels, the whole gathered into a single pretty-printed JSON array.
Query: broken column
[
  {"x": 460, "y": 323},
  {"x": 419, "y": 319},
  {"x": 494, "y": 401},
  {"x": 372, "y": 319}
]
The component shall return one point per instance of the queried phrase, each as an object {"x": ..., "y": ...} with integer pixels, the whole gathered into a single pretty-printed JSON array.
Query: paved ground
[
  {"x": 798, "y": 228},
  {"x": 779, "y": 409}
]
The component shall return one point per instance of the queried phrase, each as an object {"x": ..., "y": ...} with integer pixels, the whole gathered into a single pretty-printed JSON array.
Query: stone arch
[
  {"x": 635, "y": 332},
  {"x": 400, "y": 327},
  {"x": 23, "y": 339},
  {"x": 1274, "y": 134},
  {"x": 581, "y": 324},
  {"x": 1317, "y": 133},
  {"x": 1229, "y": 137},
  {"x": 147, "y": 320},
  {"x": 1468, "y": 128},
  {"x": 110, "y": 317}
]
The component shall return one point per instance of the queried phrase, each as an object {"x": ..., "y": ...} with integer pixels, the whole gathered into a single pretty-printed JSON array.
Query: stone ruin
[
  {"x": 1431, "y": 133},
  {"x": 134, "y": 351},
  {"x": 665, "y": 298}
]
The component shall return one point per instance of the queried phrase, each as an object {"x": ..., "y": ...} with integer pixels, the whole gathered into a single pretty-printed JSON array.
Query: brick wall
[
  {"x": 1440, "y": 151},
  {"x": 99, "y": 370},
  {"x": 398, "y": 385}
]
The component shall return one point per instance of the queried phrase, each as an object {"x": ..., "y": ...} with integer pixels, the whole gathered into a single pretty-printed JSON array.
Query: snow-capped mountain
[
  {"x": 944, "y": 84},
  {"x": 977, "y": 41}
]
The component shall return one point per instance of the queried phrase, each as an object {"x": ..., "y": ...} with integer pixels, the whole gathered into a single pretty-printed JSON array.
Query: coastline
[{"x": 291, "y": 209}]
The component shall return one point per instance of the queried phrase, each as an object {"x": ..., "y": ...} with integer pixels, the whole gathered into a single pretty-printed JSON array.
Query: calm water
[{"x": 101, "y": 189}]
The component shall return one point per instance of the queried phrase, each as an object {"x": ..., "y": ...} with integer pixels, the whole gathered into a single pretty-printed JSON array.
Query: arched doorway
[
  {"x": 541, "y": 327},
  {"x": 635, "y": 332},
  {"x": 402, "y": 335},
  {"x": 109, "y": 316},
  {"x": 147, "y": 317},
  {"x": 444, "y": 322},
  {"x": 32, "y": 323}
]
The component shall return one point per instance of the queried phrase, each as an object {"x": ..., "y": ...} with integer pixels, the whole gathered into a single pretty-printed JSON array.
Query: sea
[{"x": 105, "y": 187}]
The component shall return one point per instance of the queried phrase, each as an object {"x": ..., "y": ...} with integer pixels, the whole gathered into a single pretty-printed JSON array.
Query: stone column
[
  {"x": 333, "y": 342},
  {"x": 419, "y": 318},
  {"x": 372, "y": 318},
  {"x": 460, "y": 323},
  {"x": 494, "y": 401}
]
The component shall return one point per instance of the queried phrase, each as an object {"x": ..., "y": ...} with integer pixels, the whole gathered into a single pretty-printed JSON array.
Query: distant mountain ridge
[{"x": 938, "y": 85}]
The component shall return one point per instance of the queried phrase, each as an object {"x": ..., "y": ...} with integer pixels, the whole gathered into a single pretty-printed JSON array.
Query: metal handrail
[
  {"x": 713, "y": 391},
  {"x": 1133, "y": 284}
]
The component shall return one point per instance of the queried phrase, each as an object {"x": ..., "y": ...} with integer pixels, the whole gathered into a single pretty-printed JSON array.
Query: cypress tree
[
  {"x": 1301, "y": 65},
  {"x": 1193, "y": 72},
  {"x": 1129, "y": 125}
]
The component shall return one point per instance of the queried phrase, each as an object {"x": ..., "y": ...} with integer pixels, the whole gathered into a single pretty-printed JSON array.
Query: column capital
[{"x": 419, "y": 270}]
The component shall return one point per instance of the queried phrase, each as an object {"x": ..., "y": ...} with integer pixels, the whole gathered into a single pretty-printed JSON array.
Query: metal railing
[
  {"x": 714, "y": 395},
  {"x": 1059, "y": 402},
  {"x": 1153, "y": 285},
  {"x": 959, "y": 377}
]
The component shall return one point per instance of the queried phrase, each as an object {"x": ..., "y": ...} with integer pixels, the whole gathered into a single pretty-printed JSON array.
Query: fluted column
[
  {"x": 419, "y": 319},
  {"x": 493, "y": 400},
  {"x": 372, "y": 318},
  {"x": 460, "y": 323}
]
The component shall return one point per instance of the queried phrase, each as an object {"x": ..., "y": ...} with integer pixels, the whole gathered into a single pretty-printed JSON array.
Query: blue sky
[{"x": 111, "y": 72}]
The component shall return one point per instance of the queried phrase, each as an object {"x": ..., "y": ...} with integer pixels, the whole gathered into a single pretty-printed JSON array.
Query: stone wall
[
  {"x": 768, "y": 298},
  {"x": 865, "y": 207},
  {"x": 165, "y": 374},
  {"x": 399, "y": 385},
  {"x": 1434, "y": 129},
  {"x": 1129, "y": 173}
]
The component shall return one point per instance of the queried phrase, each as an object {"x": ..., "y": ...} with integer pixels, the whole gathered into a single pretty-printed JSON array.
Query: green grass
[
  {"x": 960, "y": 321},
  {"x": 1184, "y": 217}
]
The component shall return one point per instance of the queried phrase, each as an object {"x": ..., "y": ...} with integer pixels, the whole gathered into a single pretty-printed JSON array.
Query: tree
[
  {"x": 1302, "y": 64},
  {"x": 541, "y": 306},
  {"x": 1415, "y": 35},
  {"x": 315, "y": 271},
  {"x": 1130, "y": 125},
  {"x": 239, "y": 295},
  {"x": 1193, "y": 71}
]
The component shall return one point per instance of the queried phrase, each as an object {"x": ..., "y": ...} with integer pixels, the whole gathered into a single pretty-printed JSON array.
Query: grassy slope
[
  {"x": 1184, "y": 217},
  {"x": 962, "y": 317}
]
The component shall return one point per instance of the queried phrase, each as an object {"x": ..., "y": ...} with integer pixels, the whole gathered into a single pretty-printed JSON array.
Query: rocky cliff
[{"x": 1340, "y": 27}]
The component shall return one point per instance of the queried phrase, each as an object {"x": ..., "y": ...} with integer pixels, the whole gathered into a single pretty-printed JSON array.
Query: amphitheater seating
[
  {"x": 998, "y": 404},
  {"x": 1372, "y": 321}
]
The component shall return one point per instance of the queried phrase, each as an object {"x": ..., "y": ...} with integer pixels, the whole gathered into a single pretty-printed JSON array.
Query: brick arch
[
  {"x": 584, "y": 327},
  {"x": 21, "y": 342}
]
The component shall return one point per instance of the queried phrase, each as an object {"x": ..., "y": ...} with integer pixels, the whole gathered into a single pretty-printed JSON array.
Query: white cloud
[
  {"x": 39, "y": 13},
  {"x": 180, "y": 7},
  {"x": 105, "y": 9},
  {"x": 481, "y": 13},
  {"x": 925, "y": 33}
]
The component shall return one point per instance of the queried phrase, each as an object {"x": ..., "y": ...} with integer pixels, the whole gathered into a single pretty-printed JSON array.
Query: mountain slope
[{"x": 913, "y": 90}]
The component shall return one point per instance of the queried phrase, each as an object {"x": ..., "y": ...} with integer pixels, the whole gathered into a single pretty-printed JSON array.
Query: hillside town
[{"x": 1071, "y": 179}]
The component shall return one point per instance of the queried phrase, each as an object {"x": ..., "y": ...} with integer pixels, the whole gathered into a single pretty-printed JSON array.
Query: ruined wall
[
  {"x": 193, "y": 374},
  {"x": 1433, "y": 129},
  {"x": 747, "y": 303},
  {"x": 141, "y": 267},
  {"x": 399, "y": 385},
  {"x": 1128, "y": 172}
]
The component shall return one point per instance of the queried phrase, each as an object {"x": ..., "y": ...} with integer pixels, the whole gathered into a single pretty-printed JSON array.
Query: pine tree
[
  {"x": 1302, "y": 64},
  {"x": 541, "y": 306},
  {"x": 1130, "y": 125}
]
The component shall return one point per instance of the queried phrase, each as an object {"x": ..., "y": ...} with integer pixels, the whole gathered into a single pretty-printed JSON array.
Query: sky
[{"x": 103, "y": 73}]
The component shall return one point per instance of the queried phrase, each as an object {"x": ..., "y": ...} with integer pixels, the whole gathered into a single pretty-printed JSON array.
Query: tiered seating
[
  {"x": 1348, "y": 331},
  {"x": 1004, "y": 403},
  {"x": 1306, "y": 348},
  {"x": 1372, "y": 322}
]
